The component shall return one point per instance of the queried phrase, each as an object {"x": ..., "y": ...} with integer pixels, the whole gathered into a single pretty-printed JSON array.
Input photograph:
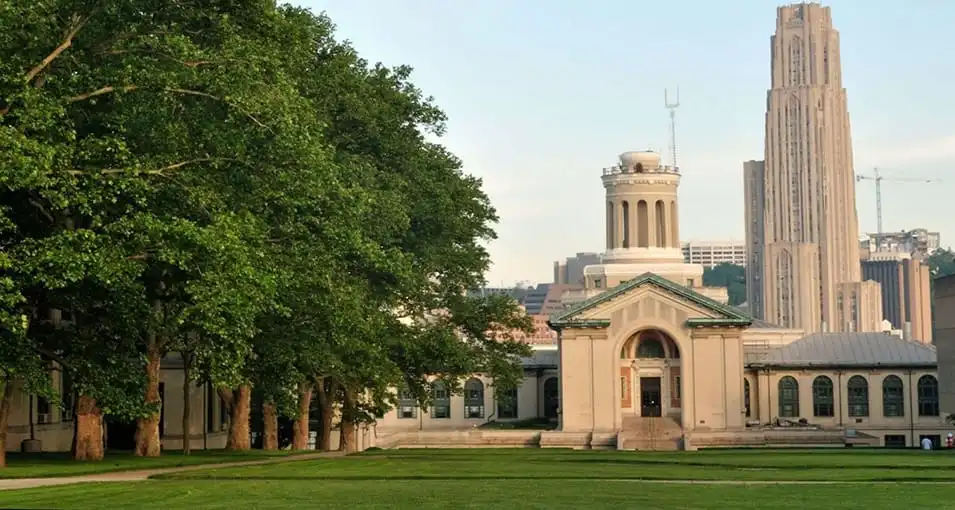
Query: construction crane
[{"x": 878, "y": 178}]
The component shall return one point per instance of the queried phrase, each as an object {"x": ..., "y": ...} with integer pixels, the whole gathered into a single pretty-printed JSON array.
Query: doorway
[{"x": 650, "y": 401}]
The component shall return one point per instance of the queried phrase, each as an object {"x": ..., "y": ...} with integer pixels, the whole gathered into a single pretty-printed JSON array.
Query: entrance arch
[{"x": 650, "y": 375}]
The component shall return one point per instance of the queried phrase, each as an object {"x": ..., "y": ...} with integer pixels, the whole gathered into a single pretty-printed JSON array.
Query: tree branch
[
  {"x": 158, "y": 171},
  {"x": 109, "y": 89},
  {"x": 52, "y": 356},
  {"x": 217, "y": 98},
  {"x": 46, "y": 214},
  {"x": 78, "y": 24}
]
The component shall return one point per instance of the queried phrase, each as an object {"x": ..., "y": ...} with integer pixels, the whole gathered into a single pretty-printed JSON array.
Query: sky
[{"x": 543, "y": 94}]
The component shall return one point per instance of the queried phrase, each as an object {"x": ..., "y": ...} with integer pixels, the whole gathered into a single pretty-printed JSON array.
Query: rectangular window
[
  {"x": 407, "y": 405},
  {"x": 474, "y": 412},
  {"x": 441, "y": 411},
  {"x": 507, "y": 408},
  {"x": 894, "y": 441}
]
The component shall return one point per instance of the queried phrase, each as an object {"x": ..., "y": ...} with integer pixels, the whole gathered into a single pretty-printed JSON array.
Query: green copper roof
[{"x": 728, "y": 316}]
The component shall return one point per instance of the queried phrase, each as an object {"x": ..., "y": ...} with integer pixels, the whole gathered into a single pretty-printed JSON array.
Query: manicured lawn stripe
[
  {"x": 46, "y": 465},
  {"x": 474, "y": 494}
]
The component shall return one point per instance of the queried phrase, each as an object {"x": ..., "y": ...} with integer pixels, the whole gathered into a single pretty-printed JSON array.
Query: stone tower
[
  {"x": 807, "y": 240},
  {"x": 642, "y": 227}
]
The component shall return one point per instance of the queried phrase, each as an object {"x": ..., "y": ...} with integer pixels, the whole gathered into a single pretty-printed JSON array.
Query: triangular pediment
[{"x": 700, "y": 310}]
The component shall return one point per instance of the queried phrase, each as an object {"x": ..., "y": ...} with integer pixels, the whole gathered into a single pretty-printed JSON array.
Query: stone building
[
  {"x": 650, "y": 359},
  {"x": 801, "y": 222},
  {"x": 647, "y": 359}
]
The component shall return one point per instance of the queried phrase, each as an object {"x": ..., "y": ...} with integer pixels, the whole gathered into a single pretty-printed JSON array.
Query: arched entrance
[{"x": 650, "y": 379}]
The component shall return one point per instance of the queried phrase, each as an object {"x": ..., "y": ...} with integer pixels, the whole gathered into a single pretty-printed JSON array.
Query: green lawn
[
  {"x": 772, "y": 465},
  {"x": 532, "y": 478},
  {"x": 45, "y": 465}
]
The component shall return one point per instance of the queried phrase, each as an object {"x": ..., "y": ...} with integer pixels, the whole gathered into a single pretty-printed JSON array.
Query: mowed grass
[
  {"x": 46, "y": 465},
  {"x": 475, "y": 494},
  {"x": 532, "y": 478},
  {"x": 750, "y": 465}
]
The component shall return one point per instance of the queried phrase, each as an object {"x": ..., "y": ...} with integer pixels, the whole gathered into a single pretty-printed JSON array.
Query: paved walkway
[{"x": 141, "y": 475}]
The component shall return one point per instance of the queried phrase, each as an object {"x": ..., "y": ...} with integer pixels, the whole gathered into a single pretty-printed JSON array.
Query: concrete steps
[{"x": 649, "y": 433}]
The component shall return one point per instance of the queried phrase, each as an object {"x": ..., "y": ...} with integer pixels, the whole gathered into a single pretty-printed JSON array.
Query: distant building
[
  {"x": 906, "y": 298},
  {"x": 713, "y": 253},
  {"x": 944, "y": 304},
  {"x": 802, "y": 225},
  {"x": 518, "y": 293},
  {"x": 545, "y": 299},
  {"x": 571, "y": 270},
  {"x": 918, "y": 240},
  {"x": 754, "y": 187}
]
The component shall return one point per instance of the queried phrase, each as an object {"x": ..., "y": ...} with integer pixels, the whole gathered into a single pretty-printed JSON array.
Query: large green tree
[
  {"x": 730, "y": 276},
  {"x": 941, "y": 262},
  {"x": 229, "y": 181}
]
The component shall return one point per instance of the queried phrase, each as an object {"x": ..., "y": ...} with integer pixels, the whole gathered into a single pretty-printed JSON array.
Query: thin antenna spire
[{"x": 672, "y": 107}]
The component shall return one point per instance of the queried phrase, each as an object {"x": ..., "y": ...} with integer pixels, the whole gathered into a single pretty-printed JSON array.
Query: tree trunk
[
  {"x": 300, "y": 426},
  {"x": 88, "y": 437},
  {"x": 6, "y": 394},
  {"x": 326, "y": 389},
  {"x": 147, "y": 429},
  {"x": 186, "y": 403},
  {"x": 239, "y": 438},
  {"x": 270, "y": 419},
  {"x": 347, "y": 440}
]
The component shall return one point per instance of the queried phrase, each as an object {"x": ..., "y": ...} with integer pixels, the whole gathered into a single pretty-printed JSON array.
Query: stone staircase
[{"x": 650, "y": 433}]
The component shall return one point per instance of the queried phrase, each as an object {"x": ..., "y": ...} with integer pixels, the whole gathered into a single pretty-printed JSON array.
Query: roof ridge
[{"x": 728, "y": 311}]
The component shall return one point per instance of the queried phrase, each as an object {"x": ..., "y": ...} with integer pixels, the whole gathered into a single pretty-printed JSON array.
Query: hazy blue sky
[{"x": 542, "y": 94}]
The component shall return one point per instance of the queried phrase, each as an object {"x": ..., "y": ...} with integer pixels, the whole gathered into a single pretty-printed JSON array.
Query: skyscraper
[{"x": 807, "y": 237}]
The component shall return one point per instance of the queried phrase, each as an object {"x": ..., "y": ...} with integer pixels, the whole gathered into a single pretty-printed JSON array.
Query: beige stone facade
[
  {"x": 802, "y": 226},
  {"x": 654, "y": 365}
]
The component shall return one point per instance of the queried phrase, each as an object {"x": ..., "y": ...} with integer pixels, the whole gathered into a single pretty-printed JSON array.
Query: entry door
[{"x": 650, "y": 401}]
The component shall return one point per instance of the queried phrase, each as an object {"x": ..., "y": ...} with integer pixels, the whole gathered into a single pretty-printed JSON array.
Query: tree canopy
[
  {"x": 730, "y": 276},
  {"x": 229, "y": 182}
]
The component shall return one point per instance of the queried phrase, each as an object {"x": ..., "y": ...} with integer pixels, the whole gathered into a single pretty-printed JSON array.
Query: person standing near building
[{"x": 926, "y": 443}]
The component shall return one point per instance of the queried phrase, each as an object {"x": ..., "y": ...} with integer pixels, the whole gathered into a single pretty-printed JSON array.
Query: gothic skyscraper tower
[{"x": 808, "y": 274}]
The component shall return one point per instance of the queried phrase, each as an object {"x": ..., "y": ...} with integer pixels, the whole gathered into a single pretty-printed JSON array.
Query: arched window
[
  {"x": 858, "y": 396},
  {"x": 626, "y": 224},
  {"x": 441, "y": 401},
  {"x": 822, "y": 401},
  {"x": 746, "y": 396},
  {"x": 507, "y": 403},
  {"x": 660, "y": 229},
  {"x": 643, "y": 224},
  {"x": 611, "y": 227},
  {"x": 650, "y": 348},
  {"x": 551, "y": 398},
  {"x": 928, "y": 396},
  {"x": 788, "y": 397},
  {"x": 474, "y": 399},
  {"x": 407, "y": 404},
  {"x": 893, "y": 397}
]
